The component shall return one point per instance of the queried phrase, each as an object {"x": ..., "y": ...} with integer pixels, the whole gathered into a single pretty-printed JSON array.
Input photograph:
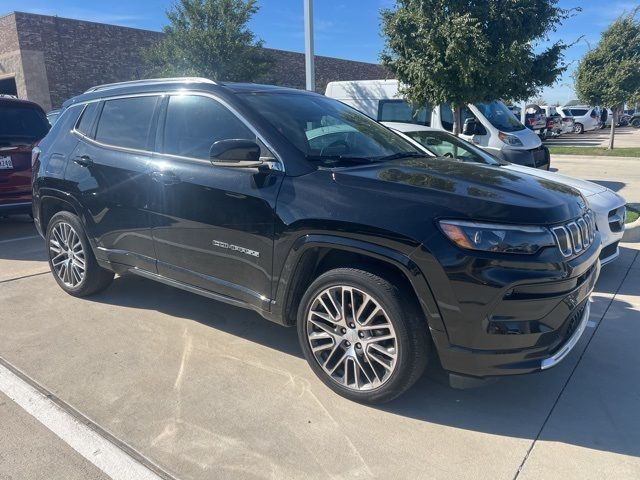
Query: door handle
[
  {"x": 166, "y": 177},
  {"x": 83, "y": 160}
]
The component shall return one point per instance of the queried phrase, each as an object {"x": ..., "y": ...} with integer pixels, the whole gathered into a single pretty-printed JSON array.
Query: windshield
[
  {"x": 443, "y": 144},
  {"x": 500, "y": 116},
  {"x": 327, "y": 131},
  {"x": 22, "y": 123}
]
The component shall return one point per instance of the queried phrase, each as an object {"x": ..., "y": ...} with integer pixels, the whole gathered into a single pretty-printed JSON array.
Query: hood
[
  {"x": 468, "y": 190},
  {"x": 585, "y": 187}
]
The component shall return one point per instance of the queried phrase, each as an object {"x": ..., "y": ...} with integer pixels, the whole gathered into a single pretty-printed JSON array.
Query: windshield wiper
[
  {"x": 338, "y": 158},
  {"x": 398, "y": 155}
]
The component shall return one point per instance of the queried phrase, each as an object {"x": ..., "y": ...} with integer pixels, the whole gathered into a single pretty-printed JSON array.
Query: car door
[
  {"x": 110, "y": 175},
  {"x": 215, "y": 225}
]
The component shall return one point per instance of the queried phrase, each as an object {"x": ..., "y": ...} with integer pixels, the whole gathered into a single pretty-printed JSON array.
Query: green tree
[
  {"x": 210, "y": 38},
  {"x": 466, "y": 51},
  {"x": 609, "y": 74}
]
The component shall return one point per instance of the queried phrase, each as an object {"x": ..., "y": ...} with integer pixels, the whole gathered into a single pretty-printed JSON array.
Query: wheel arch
[
  {"x": 50, "y": 203},
  {"x": 312, "y": 255}
]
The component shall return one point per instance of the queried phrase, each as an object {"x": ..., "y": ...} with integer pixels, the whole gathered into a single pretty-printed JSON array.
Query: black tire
[
  {"x": 578, "y": 128},
  {"x": 95, "y": 277},
  {"x": 635, "y": 123},
  {"x": 412, "y": 348}
]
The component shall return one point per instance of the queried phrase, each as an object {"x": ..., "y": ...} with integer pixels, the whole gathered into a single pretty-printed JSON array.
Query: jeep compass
[{"x": 315, "y": 216}]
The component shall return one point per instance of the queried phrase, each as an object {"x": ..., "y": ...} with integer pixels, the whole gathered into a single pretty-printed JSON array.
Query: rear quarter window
[{"x": 85, "y": 124}]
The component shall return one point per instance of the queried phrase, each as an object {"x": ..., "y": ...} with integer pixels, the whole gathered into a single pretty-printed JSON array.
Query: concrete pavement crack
[
  {"x": 566, "y": 383},
  {"x": 24, "y": 276}
]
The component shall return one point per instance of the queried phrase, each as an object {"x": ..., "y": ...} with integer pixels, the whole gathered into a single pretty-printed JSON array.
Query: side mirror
[
  {"x": 469, "y": 127},
  {"x": 235, "y": 153}
]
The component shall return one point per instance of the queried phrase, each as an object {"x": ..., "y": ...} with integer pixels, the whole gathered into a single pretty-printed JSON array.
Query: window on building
[
  {"x": 126, "y": 122},
  {"x": 194, "y": 123}
]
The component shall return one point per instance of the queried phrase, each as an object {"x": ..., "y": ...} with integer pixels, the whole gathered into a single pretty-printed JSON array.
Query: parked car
[
  {"x": 490, "y": 125},
  {"x": 53, "y": 115},
  {"x": 312, "y": 214},
  {"x": 608, "y": 206},
  {"x": 586, "y": 118},
  {"x": 22, "y": 125},
  {"x": 560, "y": 124},
  {"x": 634, "y": 120},
  {"x": 536, "y": 120},
  {"x": 568, "y": 122}
]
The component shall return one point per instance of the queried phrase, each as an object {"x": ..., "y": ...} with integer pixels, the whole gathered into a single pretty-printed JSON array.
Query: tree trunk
[
  {"x": 614, "y": 119},
  {"x": 456, "y": 120}
]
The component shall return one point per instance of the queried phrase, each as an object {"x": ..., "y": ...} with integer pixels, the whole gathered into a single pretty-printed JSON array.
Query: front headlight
[
  {"x": 489, "y": 237},
  {"x": 510, "y": 139}
]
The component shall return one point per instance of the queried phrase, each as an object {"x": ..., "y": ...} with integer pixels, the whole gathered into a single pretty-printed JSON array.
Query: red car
[{"x": 22, "y": 125}]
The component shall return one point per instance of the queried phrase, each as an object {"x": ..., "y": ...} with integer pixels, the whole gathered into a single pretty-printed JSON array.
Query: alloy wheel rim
[
  {"x": 67, "y": 256},
  {"x": 352, "y": 338}
]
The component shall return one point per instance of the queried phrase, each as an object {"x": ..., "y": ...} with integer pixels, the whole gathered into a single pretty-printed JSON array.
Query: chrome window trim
[{"x": 277, "y": 165}]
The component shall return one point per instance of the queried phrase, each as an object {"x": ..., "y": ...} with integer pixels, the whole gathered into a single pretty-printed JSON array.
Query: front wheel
[
  {"x": 635, "y": 123},
  {"x": 71, "y": 259},
  {"x": 364, "y": 337},
  {"x": 579, "y": 128}
]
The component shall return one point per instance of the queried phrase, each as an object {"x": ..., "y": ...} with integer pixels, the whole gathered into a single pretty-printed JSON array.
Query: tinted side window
[
  {"x": 194, "y": 123},
  {"x": 86, "y": 119},
  {"x": 401, "y": 111},
  {"x": 578, "y": 112},
  {"x": 126, "y": 122},
  {"x": 446, "y": 117}
]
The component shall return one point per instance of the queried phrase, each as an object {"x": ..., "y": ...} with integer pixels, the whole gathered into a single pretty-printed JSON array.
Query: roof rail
[{"x": 150, "y": 81}]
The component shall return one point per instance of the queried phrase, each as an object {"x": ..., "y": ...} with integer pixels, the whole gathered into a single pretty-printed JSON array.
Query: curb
[{"x": 632, "y": 232}]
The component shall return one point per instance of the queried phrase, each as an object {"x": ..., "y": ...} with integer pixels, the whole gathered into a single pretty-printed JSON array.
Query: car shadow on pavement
[
  {"x": 603, "y": 400},
  {"x": 137, "y": 292},
  {"x": 595, "y": 407}
]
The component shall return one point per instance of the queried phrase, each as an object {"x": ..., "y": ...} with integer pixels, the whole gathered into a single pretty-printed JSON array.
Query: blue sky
[{"x": 344, "y": 28}]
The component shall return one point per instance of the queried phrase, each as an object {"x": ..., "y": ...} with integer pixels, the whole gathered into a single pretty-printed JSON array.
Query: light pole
[{"x": 309, "y": 63}]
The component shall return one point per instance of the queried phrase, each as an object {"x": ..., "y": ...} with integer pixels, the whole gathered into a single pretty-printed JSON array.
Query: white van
[{"x": 489, "y": 125}]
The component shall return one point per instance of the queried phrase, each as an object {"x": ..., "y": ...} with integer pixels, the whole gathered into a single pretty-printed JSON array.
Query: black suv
[{"x": 312, "y": 214}]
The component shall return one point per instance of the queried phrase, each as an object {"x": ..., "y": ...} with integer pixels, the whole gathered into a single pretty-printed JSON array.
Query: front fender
[{"x": 294, "y": 267}]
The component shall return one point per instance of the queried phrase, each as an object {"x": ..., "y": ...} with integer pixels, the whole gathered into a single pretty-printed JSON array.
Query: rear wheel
[
  {"x": 71, "y": 259},
  {"x": 362, "y": 336},
  {"x": 579, "y": 128}
]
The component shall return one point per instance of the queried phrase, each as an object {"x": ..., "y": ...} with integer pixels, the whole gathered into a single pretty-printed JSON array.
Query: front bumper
[
  {"x": 609, "y": 208},
  {"x": 512, "y": 317},
  {"x": 536, "y": 157}
]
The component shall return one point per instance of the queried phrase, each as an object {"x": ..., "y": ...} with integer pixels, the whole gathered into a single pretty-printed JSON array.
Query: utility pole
[{"x": 310, "y": 67}]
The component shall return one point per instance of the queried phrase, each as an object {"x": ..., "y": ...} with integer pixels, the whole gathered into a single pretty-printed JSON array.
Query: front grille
[{"x": 575, "y": 237}]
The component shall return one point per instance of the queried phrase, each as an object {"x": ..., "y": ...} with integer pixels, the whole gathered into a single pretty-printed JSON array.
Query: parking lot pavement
[
  {"x": 29, "y": 450},
  {"x": 620, "y": 174},
  {"x": 206, "y": 390},
  {"x": 21, "y": 248},
  {"x": 624, "y": 137}
]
